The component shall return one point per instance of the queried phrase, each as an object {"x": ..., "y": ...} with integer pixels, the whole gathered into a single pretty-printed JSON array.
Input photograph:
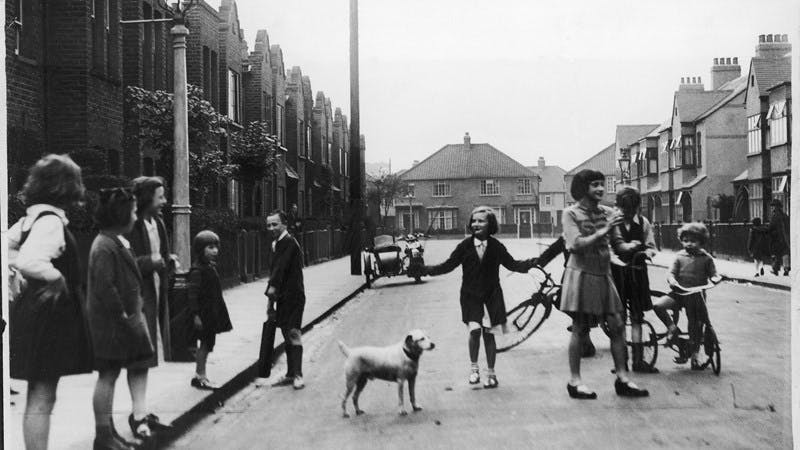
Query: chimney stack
[
  {"x": 467, "y": 142},
  {"x": 691, "y": 84},
  {"x": 724, "y": 70},
  {"x": 773, "y": 46},
  {"x": 541, "y": 162}
]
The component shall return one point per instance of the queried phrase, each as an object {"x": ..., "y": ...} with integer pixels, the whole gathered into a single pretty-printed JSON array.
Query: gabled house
[
  {"x": 297, "y": 141},
  {"x": 448, "y": 184},
  {"x": 604, "y": 161},
  {"x": 768, "y": 114},
  {"x": 552, "y": 192}
]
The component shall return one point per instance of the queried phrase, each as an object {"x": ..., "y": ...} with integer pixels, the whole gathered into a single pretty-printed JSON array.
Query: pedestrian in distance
[
  {"x": 779, "y": 238},
  {"x": 588, "y": 293},
  {"x": 631, "y": 240},
  {"x": 48, "y": 330},
  {"x": 206, "y": 303},
  {"x": 692, "y": 267},
  {"x": 286, "y": 296},
  {"x": 150, "y": 247},
  {"x": 116, "y": 310},
  {"x": 758, "y": 245},
  {"x": 483, "y": 308}
]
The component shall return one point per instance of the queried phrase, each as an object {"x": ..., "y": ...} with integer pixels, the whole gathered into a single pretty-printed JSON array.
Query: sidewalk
[{"x": 169, "y": 394}]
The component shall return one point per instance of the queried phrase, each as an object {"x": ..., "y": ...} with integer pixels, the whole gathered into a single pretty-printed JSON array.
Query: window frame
[
  {"x": 524, "y": 186},
  {"x": 441, "y": 189},
  {"x": 754, "y": 125},
  {"x": 484, "y": 187},
  {"x": 18, "y": 23}
]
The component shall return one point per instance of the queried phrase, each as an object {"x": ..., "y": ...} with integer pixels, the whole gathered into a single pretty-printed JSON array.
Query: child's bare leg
[
  {"x": 661, "y": 307},
  {"x": 618, "y": 349},
  {"x": 575, "y": 346},
  {"x": 201, "y": 359}
]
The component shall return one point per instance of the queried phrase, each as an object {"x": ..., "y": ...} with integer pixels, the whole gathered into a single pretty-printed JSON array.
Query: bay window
[
  {"x": 778, "y": 123},
  {"x": 754, "y": 134}
]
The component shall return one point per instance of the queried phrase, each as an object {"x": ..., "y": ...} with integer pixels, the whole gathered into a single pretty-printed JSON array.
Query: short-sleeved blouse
[{"x": 580, "y": 221}]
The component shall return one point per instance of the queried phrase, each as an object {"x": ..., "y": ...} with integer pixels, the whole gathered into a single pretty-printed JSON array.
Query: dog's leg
[
  {"x": 400, "y": 382},
  {"x": 362, "y": 381},
  {"x": 411, "y": 393},
  {"x": 350, "y": 386}
]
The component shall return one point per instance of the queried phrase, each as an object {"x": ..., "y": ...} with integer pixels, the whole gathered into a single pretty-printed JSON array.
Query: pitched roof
[
  {"x": 603, "y": 161},
  {"x": 771, "y": 71},
  {"x": 552, "y": 178},
  {"x": 691, "y": 104},
  {"x": 736, "y": 87},
  {"x": 457, "y": 161},
  {"x": 628, "y": 134}
]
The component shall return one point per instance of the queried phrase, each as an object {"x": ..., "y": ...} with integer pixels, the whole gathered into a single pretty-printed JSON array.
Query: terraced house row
[
  {"x": 69, "y": 62},
  {"x": 724, "y": 152}
]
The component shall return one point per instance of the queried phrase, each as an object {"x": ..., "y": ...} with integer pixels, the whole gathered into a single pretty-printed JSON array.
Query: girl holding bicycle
[
  {"x": 588, "y": 294},
  {"x": 692, "y": 267},
  {"x": 633, "y": 241}
]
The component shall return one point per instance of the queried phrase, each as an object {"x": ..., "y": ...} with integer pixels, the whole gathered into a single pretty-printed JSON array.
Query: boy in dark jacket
[
  {"x": 286, "y": 295},
  {"x": 206, "y": 303}
]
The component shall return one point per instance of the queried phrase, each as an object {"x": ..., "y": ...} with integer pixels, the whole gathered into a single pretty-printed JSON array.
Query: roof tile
[{"x": 457, "y": 161}]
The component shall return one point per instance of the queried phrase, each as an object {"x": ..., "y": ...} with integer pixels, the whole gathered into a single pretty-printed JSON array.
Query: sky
[{"x": 550, "y": 79}]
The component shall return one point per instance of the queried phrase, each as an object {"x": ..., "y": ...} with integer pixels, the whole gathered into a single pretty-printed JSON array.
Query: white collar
[
  {"x": 283, "y": 235},
  {"x": 477, "y": 242},
  {"x": 35, "y": 210},
  {"x": 125, "y": 242}
]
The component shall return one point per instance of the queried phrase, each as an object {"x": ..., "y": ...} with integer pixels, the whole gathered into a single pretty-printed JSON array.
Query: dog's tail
[{"x": 345, "y": 350}]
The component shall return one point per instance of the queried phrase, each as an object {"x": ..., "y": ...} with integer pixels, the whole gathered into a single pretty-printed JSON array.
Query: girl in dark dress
[
  {"x": 206, "y": 303},
  {"x": 483, "y": 309},
  {"x": 48, "y": 333},
  {"x": 116, "y": 310},
  {"x": 758, "y": 245}
]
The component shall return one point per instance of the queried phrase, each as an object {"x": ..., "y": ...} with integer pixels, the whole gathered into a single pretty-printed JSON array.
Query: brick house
[
  {"x": 768, "y": 115},
  {"x": 310, "y": 162},
  {"x": 552, "y": 192},
  {"x": 321, "y": 141},
  {"x": 604, "y": 161},
  {"x": 64, "y": 81},
  {"x": 297, "y": 140},
  {"x": 448, "y": 184},
  {"x": 341, "y": 155}
]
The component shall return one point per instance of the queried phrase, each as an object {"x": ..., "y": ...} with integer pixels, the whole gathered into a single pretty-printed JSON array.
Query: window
[
  {"x": 652, "y": 161},
  {"x": 234, "y": 92},
  {"x": 206, "y": 73},
  {"x": 308, "y": 141},
  {"x": 698, "y": 159},
  {"x": 687, "y": 151},
  {"x": 547, "y": 200},
  {"x": 410, "y": 190},
  {"x": 406, "y": 219},
  {"x": 147, "y": 48},
  {"x": 780, "y": 186},
  {"x": 754, "y": 134},
  {"x": 610, "y": 183},
  {"x": 756, "y": 200},
  {"x": 158, "y": 67},
  {"x": 109, "y": 49},
  {"x": 444, "y": 219},
  {"x": 674, "y": 152},
  {"x": 17, "y": 24},
  {"x": 524, "y": 186},
  {"x": 281, "y": 125},
  {"x": 777, "y": 123},
  {"x": 441, "y": 189},
  {"x": 490, "y": 187},
  {"x": 214, "y": 95}
]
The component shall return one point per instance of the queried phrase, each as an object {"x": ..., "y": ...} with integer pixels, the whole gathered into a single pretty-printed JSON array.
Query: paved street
[{"x": 746, "y": 407}]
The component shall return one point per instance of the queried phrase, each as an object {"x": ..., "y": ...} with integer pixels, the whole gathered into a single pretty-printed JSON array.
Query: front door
[{"x": 524, "y": 223}]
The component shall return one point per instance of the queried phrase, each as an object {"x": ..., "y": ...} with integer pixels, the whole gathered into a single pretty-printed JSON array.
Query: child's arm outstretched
[
  {"x": 451, "y": 263},
  {"x": 514, "y": 265}
]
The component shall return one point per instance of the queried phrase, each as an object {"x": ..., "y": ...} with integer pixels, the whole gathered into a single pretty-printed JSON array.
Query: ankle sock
[{"x": 474, "y": 367}]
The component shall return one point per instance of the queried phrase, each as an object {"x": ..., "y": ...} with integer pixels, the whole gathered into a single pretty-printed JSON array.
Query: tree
[
  {"x": 152, "y": 112},
  {"x": 388, "y": 187}
]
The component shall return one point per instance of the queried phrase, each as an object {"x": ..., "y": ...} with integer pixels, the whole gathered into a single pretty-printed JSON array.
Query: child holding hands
[{"x": 483, "y": 309}]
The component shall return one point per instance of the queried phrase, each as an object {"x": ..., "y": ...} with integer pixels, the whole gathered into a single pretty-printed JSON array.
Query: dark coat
[
  {"x": 206, "y": 301},
  {"x": 758, "y": 243},
  {"x": 286, "y": 270},
  {"x": 480, "y": 283},
  {"x": 115, "y": 288},
  {"x": 153, "y": 307},
  {"x": 779, "y": 233}
]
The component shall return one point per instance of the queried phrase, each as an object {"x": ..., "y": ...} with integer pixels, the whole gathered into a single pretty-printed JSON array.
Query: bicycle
[
  {"x": 525, "y": 318},
  {"x": 680, "y": 343}
]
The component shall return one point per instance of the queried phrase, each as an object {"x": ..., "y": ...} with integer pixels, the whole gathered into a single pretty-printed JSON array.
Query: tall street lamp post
[{"x": 356, "y": 175}]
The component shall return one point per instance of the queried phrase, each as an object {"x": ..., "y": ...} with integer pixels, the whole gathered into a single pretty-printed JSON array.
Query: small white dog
[{"x": 396, "y": 363}]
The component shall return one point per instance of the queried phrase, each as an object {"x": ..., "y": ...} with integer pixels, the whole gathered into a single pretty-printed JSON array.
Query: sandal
[
  {"x": 474, "y": 377},
  {"x": 155, "y": 423},
  {"x": 140, "y": 428},
  {"x": 581, "y": 392},
  {"x": 491, "y": 382}
]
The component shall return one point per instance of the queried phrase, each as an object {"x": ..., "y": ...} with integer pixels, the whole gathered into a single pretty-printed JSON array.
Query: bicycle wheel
[
  {"x": 523, "y": 320},
  {"x": 711, "y": 345},
  {"x": 367, "y": 271},
  {"x": 649, "y": 344}
]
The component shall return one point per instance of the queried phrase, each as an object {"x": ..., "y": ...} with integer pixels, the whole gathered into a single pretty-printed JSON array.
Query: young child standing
[
  {"x": 206, "y": 303},
  {"x": 588, "y": 294},
  {"x": 758, "y": 245},
  {"x": 632, "y": 236},
  {"x": 483, "y": 309},
  {"x": 116, "y": 310},
  {"x": 692, "y": 267}
]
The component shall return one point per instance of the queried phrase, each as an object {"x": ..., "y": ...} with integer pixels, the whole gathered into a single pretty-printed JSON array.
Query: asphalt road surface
[{"x": 747, "y": 406}]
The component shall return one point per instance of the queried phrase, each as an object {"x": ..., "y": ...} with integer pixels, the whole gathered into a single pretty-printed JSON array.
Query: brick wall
[{"x": 203, "y": 69}]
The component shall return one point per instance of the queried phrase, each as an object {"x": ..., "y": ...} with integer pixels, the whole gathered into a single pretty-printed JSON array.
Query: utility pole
[{"x": 356, "y": 207}]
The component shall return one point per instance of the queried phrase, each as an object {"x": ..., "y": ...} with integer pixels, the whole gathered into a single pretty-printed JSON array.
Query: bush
[{"x": 217, "y": 220}]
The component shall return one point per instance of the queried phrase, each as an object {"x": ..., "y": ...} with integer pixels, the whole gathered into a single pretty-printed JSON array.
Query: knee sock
[
  {"x": 474, "y": 346},
  {"x": 297, "y": 370},
  {"x": 490, "y": 346}
]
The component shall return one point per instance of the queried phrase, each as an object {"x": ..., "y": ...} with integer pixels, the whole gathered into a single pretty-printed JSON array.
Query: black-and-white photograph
[{"x": 344, "y": 224}]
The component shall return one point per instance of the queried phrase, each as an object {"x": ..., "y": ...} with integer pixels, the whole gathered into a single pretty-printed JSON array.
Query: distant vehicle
[{"x": 388, "y": 257}]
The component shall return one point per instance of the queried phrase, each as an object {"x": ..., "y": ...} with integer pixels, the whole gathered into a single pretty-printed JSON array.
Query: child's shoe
[
  {"x": 695, "y": 364},
  {"x": 762, "y": 271},
  {"x": 474, "y": 376},
  {"x": 491, "y": 382},
  {"x": 629, "y": 389},
  {"x": 298, "y": 383},
  {"x": 203, "y": 383},
  {"x": 286, "y": 380}
]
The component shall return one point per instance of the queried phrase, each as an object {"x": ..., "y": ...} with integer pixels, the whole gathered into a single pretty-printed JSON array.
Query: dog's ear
[{"x": 409, "y": 341}]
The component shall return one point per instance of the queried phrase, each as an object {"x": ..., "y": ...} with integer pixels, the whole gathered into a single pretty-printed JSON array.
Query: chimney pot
[
  {"x": 769, "y": 38},
  {"x": 467, "y": 139},
  {"x": 682, "y": 80},
  {"x": 785, "y": 38},
  {"x": 694, "y": 80},
  {"x": 541, "y": 162},
  {"x": 735, "y": 61},
  {"x": 699, "y": 80},
  {"x": 761, "y": 38},
  {"x": 716, "y": 61},
  {"x": 727, "y": 60}
]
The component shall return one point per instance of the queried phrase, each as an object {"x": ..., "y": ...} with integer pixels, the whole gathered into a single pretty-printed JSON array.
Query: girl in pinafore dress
[
  {"x": 588, "y": 294},
  {"x": 483, "y": 309}
]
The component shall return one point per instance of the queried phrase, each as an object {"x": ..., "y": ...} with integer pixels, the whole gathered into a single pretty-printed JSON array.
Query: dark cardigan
[
  {"x": 286, "y": 270},
  {"x": 480, "y": 283},
  {"x": 205, "y": 299}
]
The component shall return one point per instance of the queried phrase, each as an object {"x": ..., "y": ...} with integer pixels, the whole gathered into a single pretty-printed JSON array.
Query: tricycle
[{"x": 389, "y": 256}]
